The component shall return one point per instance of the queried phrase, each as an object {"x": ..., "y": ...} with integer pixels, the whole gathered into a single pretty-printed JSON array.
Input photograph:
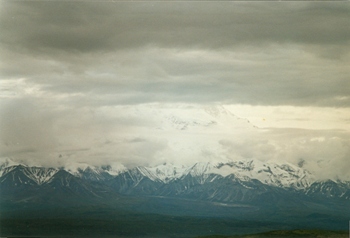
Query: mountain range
[
  {"x": 226, "y": 198},
  {"x": 246, "y": 181}
]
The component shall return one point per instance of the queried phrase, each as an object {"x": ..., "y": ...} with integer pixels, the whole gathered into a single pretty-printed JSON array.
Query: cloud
[
  {"x": 26, "y": 129},
  {"x": 91, "y": 26},
  {"x": 127, "y": 53},
  {"x": 151, "y": 134},
  {"x": 200, "y": 76},
  {"x": 98, "y": 82},
  {"x": 322, "y": 152},
  {"x": 301, "y": 163}
]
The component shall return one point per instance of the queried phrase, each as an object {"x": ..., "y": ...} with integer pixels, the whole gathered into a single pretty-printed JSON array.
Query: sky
[{"x": 148, "y": 82}]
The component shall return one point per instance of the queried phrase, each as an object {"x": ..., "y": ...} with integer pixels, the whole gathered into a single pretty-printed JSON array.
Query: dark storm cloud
[
  {"x": 89, "y": 26},
  {"x": 131, "y": 52}
]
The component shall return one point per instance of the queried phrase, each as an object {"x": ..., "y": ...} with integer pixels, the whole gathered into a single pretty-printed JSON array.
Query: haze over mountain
[{"x": 152, "y": 134}]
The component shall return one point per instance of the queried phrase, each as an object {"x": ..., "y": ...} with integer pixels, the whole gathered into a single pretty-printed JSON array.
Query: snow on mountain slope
[
  {"x": 114, "y": 169},
  {"x": 165, "y": 172},
  {"x": 168, "y": 172},
  {"x": 198, "y": 169},
  {"x": 40, "y": 174},
  {"x": 6, "y": 170},
  {"x": 96, "y": 173},
  {"x": 28, "y": 175},
  {"x": 6, "y": 165},
  {"x": 201, "y": 171},
  {"x": 226, "y": 181},
  {"x": 269, "y": 173},
  {"x": 162, "y": 173},
  {"x": 330, "y": 188},
  {"x": 280, "y": 175}
]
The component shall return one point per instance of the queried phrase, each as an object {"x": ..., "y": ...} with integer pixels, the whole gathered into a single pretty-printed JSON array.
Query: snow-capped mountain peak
[
  {"x": 200, "y": 168},
  {"x": 114, "y": 169},
  {"x": 280, "y": 175},
  {"x": 6, "y": 165},
  {"x": 269, "y": 173},
  {"x": 95, "y": 173},
  {"x": 6, "y": 162},
  {"x": 167, "y": 172}
]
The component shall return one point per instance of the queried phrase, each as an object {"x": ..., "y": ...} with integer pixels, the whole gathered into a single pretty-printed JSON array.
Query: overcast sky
[{"x": 124, "y": 82}]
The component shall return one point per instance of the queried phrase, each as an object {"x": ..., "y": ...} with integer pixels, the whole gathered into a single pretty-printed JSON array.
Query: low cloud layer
[{"x": 151, "y": 134}]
